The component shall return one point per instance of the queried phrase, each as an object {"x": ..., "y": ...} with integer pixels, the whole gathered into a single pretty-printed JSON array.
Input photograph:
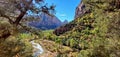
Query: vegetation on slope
[{"x": 95, "y": 34}]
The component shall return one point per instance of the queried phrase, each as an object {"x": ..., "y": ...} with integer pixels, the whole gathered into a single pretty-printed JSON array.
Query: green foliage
[
  {"x": 95, "y": 33},
  {"x": 12, "y": 46},
  {"x": 84, "y": 53},
  {"x": 25, "y": 36}
]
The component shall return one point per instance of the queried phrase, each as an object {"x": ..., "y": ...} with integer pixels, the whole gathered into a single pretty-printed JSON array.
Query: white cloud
[{"x": 63, "y": 15}]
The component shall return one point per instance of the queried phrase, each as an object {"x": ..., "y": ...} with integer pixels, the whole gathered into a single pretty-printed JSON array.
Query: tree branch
[
  {"x": 7, "y": 17},
  {"x": 19, "y": 18},
  {"x": 24, "y": 27}
]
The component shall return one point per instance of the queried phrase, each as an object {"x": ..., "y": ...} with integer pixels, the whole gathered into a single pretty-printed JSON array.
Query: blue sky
[{"x": 65, "y": 9}]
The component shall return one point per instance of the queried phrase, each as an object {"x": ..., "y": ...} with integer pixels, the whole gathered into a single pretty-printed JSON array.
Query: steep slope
[
  {"x": 79, "y": 12},
  {"x": 86, "y": 10},
  {"x": 95, "y": 33},
  {"x": 46, "y": 22}
]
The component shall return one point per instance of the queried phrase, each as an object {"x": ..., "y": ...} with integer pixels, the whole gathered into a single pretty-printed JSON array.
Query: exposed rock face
[
  {"x": 80, "y": 10},
  {"x": 65, "y": 22},
  {"x": 46, "y": 22}
]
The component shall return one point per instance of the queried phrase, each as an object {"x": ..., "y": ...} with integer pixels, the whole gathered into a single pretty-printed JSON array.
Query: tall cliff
[
  {"x": 89, "y": 12},
  {"x": 97, "y": 32},
  {"x": 80, "y": 10}
]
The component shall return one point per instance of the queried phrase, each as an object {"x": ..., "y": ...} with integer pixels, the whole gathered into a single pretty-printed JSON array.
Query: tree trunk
[{"x": 19, "y": 18}]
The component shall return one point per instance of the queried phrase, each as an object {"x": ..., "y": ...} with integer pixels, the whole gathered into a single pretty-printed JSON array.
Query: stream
[{"x": 38, "y": 49}]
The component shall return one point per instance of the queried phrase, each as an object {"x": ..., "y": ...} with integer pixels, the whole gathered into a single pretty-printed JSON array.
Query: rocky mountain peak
[
  {"x": 65, "y": 22},
  {"x": 46, "y": 22},
  {"x": 80, "y": 10}
]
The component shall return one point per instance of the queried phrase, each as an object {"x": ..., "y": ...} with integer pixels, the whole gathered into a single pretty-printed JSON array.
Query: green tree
[
  {"x": 14, "y": 10},
  {"x": 21, "y": 8}
]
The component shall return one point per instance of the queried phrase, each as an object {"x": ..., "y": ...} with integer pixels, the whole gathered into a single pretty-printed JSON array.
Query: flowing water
[{"x": 38, "y": 49}]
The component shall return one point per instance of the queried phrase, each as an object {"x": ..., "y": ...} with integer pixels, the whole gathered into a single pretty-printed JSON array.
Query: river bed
[{"x": 37, "y": 49}]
